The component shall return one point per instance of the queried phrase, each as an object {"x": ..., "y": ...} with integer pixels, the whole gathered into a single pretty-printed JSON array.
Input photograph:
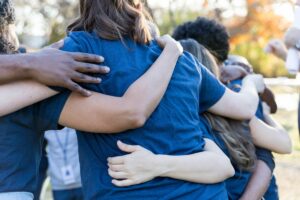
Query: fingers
[
  {"x": 82, "y": 78},
  {"x": 117, "y": 175},
  {"x": 91, "y": 68},
  {"x": 123, "y": 183},
  {"x": 84, "y": 57},
  {"x": 116, "y": 168},
  {"x": 126, "y": 147},
  {"x": 116, "y": 160},
  {"x": 77, "y": 88}
]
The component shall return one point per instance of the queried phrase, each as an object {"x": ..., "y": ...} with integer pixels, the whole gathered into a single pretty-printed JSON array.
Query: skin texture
[
  {"x": 125, "y": 171},
  {"x": 270, "y": 134},
  {"x": 258, "y": 183},
  {"x": 52, "y": 67},
  {"x": 109, "y": 114}
]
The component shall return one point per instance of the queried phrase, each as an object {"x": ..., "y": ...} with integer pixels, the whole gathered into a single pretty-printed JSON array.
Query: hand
[
  {"x": 232, "y": 72},
  {"x": 292, "y": 36},
  {"x": 257, "y": 80},
  {"x": 135, "y": 168},
  {"x": 53, "y": 67},
  {"x": 166, "y": 41},
  {"x": 266, "y": 109},
  {"x": 277, "y": 47}
]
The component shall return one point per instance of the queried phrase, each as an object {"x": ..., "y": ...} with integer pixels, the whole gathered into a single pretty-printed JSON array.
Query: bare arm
[
  {"x": 141, "y": 165},
  {"x": 108, "y": 114},
  {"x": 258, "y": 183},
  {"x": 51, "y": 67},
  {"x": 270, "y": 135},
  {"x": 240, "y": 105},
  {"x": 105, "y": 113}
]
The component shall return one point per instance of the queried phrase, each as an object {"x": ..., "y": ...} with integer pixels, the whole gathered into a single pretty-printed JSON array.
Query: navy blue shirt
[
  {"x": 21, "y": 136},
  {"x": 238, "y": 183},
  {"x": 173, "y": 129}
]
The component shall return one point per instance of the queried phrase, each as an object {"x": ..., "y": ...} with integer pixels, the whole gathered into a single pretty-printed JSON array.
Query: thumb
[{"x": 126, "y": 147}]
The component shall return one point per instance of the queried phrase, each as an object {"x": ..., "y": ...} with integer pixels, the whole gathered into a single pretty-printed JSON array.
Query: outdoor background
[{"x": 251, "y": 23}]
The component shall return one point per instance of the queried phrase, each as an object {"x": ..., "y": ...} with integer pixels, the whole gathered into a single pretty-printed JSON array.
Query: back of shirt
[
  {"x": 21, "y": 137},
  {"x": 174, "y": 128}
]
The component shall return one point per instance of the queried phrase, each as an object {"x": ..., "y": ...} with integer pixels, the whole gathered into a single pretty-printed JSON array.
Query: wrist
[
  {"x": 174, "y": 49},
  {"x": 161, "y": 166},
  {"x": 29, "y": 65}
]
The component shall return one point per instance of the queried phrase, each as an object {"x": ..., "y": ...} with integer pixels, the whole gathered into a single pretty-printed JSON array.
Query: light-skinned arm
[{"x": 141, "y": 165}]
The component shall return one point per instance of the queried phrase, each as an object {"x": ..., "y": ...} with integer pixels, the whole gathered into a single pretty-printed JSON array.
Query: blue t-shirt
[
  {"x": 21, "y": 136},
  {"x": 174, "y": 127},
  {"x": 238, "y": 183},
  {"x": 261, "y": 153}
]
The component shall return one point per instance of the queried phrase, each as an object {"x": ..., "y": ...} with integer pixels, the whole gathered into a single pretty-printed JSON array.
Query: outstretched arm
[
  {"x": 242, "y": 105},
  {"x": 106, "y": 114},
  {"x": 51, "y": 67},
  {"x": 140, "y": 165},
  {"x": 109, "y": 114}
]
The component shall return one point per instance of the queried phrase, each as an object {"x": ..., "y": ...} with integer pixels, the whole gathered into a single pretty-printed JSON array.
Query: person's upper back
[{"x": 174, "y": 127}]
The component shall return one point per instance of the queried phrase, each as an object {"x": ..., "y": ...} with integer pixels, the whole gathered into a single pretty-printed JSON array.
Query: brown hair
[
  {"x": 235, "y": 134},
  {"x": 114, "y": 19}
]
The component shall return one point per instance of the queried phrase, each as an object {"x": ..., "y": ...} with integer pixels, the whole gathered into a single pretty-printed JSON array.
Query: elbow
[
  {"x": 137, "y": 119},
  {"x": 286, "y": 145},
  {"x": 230, "y": 171},
  {"x": 227, "y": 169}
]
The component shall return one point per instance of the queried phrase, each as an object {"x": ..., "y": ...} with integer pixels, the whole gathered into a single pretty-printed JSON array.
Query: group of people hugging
[{"x": 157, "y": 117}]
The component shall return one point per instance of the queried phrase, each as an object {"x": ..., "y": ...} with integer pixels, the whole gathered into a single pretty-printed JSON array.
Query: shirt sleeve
[
  {"x": 266, "y": 156},
  {"x": 47, "y": 112},
  {"x": 211, "y": 90}
]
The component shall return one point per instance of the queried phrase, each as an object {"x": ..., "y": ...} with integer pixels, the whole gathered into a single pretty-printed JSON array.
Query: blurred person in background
[
  {"x": 215, "y": 38},
  {"x": 62, "y": 151}
]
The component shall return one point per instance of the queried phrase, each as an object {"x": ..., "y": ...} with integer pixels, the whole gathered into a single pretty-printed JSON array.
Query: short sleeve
[
  {"x": 266, "y": 156},
  {"x": 211, "y": 90},
  {"x": 47, "y": 112}
]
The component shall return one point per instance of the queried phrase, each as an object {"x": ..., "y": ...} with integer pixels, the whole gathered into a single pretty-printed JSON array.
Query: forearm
[
  {"x": 17, "y": 95},
  {"x": 204, "y": 167},
  {"x": 258, "y": 183},
  {"x": 249, "y": 96},
  {"x": 144, "y": 95},
  {"x": 209, "y": 166},
  {"x": 268, "y": 137},
  {"x": 14, "y": 67},
  {"x": 109, "y": 114}
]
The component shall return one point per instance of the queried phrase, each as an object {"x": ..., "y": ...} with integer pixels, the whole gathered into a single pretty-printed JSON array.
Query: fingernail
[
  {"x": 99, "y": 80},
  {"x": 107, "y": 69},
  {"x": 101, "y": 59}
]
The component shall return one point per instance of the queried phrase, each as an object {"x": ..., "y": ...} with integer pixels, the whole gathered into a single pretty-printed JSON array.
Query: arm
[
  {"x": 277, "y": 48},
  {"x": 258, "y": 183},
  {"x": 51, "y": 67},
  {"x": 115, "y": 114},
  {"x": 270, "y": 135},
  {"x": 209, "y": 166},
  {"x": 240, "y": 105},
  {"x": 110, "y": 114}
]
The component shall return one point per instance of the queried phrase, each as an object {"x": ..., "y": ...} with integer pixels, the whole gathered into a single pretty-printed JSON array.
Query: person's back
[{"x": 174, "y": 128}]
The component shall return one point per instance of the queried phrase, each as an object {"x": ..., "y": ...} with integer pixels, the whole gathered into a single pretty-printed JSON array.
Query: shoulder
[{"x": 79, "y": 41}]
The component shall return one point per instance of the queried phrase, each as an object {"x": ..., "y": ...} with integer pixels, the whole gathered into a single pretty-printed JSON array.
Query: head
[
  {"x": 202, "y": 54},
  {"x": 9, "y": 42},
  {"x": 114, "y": 19},
  {"x": 209, "y": 33},
  {"x": 235, "y": 134}
]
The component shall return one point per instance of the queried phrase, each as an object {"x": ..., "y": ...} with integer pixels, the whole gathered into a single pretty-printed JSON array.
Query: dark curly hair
[
  {"x": 7, "y": 17},
  {"x": 7, "y": 13},
  {"x": 211, "y": 34}
]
